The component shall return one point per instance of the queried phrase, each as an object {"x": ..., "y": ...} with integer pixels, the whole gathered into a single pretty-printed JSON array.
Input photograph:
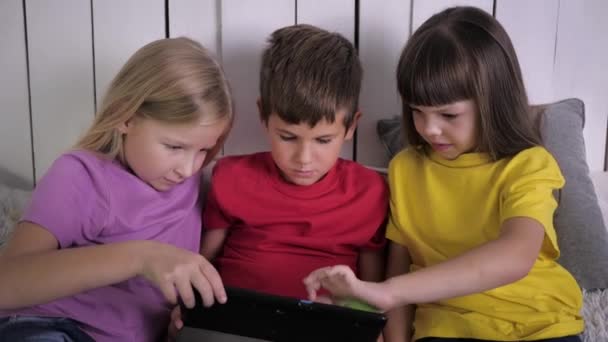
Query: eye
[
  {"x": 287, "y": 138},
  {"x": 173, "y": 147},
  {"x": 449, "y": 116},
  {"x": 323, "y": 140}
]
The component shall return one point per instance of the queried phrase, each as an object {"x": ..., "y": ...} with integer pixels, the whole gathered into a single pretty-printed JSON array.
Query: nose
[
  {"x": 189, "y": 165},
  {"x": 304, "y": 154},
  {"x": 430, "y": 127}
]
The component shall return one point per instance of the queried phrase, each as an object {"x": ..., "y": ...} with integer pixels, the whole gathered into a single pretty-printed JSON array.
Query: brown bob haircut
[{"x": 463, "y": 53}]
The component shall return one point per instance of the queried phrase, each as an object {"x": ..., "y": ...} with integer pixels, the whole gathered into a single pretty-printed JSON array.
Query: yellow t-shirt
[{"x": 442, "y": 208}]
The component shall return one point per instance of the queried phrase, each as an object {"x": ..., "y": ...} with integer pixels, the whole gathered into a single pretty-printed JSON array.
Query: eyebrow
[
  {"x": 448, "y": 108},
  {"x": 177, "y": 142},
  {"x": 324, "y": 136}
]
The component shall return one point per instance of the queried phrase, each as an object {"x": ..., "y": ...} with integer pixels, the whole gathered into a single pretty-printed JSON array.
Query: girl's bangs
[{"x": 439, "y": 75}]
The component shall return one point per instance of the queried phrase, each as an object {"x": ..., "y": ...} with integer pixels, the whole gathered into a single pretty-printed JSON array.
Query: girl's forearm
[
  {"x": 41, "y": 277},
  {"x": 493, "y": 264}
]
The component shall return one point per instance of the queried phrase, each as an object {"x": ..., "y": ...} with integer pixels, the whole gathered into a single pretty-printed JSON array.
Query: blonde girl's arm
[
  {"x": 399, "y": 325},
  {"x": 34, "y": 271}
]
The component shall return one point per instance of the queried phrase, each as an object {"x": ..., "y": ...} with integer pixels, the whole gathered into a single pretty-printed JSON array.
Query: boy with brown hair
[{"x": 273, "y": 217}]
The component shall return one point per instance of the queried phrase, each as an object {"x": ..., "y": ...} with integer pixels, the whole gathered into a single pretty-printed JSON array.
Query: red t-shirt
[{"x": 280, "y": 232}]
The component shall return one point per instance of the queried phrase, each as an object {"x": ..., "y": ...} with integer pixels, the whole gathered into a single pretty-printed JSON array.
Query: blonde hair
[{"x": 172, "y": 80}]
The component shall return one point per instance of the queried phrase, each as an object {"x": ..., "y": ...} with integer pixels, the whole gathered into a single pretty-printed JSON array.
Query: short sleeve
[
  {"x": 533, "y": 176},
  {"x": 70, "y": 202},
  {"x": 213, "y": 214}
]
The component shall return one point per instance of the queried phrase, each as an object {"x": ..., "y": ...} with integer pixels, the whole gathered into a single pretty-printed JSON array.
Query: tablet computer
[{"x": 253, "y": 316}]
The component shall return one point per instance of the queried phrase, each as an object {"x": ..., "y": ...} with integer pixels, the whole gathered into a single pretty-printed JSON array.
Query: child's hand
[
  {"x": 342, "y": 283},
  {"x": 176, "y": 323},
  {"x": 339, "y": 280},
  {"x": 175, "y": 271}
]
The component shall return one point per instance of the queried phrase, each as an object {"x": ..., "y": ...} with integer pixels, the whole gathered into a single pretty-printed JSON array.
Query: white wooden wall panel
[
  {"x": 16, "y": 168},
  {"x": 196, "y": 19},
  {"x": 74, "y": 50},
  {"x": 61, "y": 77},
  {"x": 532, "y": 26},
  {"x": 383, "y": 32},
  {"x": 246, "y": 25},
  {"x": 335, "y": 16},
  {"x": 424, "y": 9},
  {"x": 120, "y": 28},
  {"x": 581, "y": 68}
]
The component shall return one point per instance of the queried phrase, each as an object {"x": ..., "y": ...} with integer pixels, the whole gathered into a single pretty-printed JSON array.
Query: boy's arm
[
  {"x": 213, "y": 241},
  {"x": 371, "y": 265},
  {"x": 371, "y": 268},
  {"x": 399, "y": 325}
]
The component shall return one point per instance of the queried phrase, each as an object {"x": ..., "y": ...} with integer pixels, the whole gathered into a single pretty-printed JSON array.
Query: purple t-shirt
[{"x": 85, "y": 200}]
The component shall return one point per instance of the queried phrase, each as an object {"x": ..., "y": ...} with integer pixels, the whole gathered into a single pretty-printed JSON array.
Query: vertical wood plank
[
  {"x": 334, "y": 16},
  {"x": 61, "y": 77},
  {"x": 383, "y": 32},
  {"x": 581, "y": 69},
  {"x": 424, "y": 9},
  {"x": 196, "y": 19},
  {"x": 246, "y": 25},
  {"x": 532, "y": 26},
  {"x": 121, "y": 27},
  {"x": 16, "y": 168}
]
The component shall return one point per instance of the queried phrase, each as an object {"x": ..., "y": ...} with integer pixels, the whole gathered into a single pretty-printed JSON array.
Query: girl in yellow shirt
[{"x": 471, "y": 227}]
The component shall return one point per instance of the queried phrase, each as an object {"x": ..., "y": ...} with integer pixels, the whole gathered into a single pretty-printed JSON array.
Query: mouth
[
  {"x": 303, "y": 173},
  {"x": 440, "y": 147},
  {"x": 170, "y": 182}
]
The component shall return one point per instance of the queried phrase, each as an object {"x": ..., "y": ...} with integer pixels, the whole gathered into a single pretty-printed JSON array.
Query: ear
[
  {"x": 350, "y": 132},
  {"x": 125, "y": 126}
]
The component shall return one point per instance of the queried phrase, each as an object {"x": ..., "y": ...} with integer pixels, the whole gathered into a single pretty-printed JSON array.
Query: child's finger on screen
[
  {"x": 324, "y": 300},
  {"x": 214, "y": 280},
  {"x": 204, "y": 288}
]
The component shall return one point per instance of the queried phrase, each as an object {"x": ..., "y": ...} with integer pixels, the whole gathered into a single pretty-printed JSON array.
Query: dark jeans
[
  {"x": 440, "y": 339},
  {"x": 41, "y": 329}
]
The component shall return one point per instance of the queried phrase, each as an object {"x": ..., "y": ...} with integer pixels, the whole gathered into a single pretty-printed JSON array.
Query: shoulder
[
  {"x": 78, "y": 166},
  {"x": 404, "y": 159},
  {"x": 360, "y": 176},
  {"x": 240, "y": 172},
  {"x": 533, "y": 159},
  {"x": 241, "y": 163},
  {"x": 533, "y": 166}
]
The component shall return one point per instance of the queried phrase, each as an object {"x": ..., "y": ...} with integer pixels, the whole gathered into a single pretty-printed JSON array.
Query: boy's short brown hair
[{"x": 308, "y": 74}]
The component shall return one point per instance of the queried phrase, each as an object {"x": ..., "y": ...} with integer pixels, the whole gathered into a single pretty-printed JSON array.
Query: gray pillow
[
  {"x": 582, "y": 236},
  {"x": 580, "y": 227}
]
